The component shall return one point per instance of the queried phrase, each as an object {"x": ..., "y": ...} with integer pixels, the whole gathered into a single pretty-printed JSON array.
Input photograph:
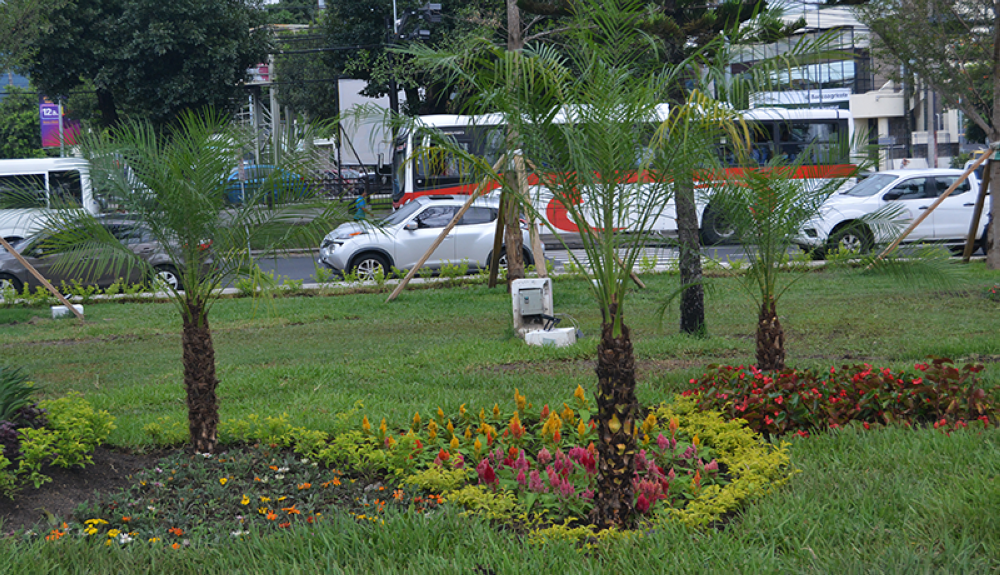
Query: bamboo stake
[
  {"x": 494, "y": 263},
  {"x": 977, "y": 212},
  {"x": 444, "y": 233},
  {"x": 10, "y": 249},
  {"x": 930, "y": 209}
]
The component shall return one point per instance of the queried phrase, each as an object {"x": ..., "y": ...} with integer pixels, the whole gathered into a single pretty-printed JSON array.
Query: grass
[{"x": 892, "y": 501}]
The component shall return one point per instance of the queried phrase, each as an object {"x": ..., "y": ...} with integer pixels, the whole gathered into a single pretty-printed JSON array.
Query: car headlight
[{"x": 327, "y": 242}]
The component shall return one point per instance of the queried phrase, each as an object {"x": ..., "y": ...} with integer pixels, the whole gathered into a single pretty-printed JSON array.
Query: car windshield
[
  {"x": 400, "y": 215},
  {"x": 871, "y": 185}
]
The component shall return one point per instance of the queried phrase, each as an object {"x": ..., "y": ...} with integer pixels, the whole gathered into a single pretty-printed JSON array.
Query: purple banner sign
[{"x": 49, "y": 112}]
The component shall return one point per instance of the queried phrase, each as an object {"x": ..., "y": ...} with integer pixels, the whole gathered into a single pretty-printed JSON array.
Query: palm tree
[
  {"x": 590, "y": 123},
  {"x": 175, "y": 187}
]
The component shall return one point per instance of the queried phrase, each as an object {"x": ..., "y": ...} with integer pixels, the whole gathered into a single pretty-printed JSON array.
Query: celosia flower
[
  {"x": 688, "y": 453},
  {"x": 496, "y": 411},
  {"x": 642, "y": 504},
  {"x": 458, "y": 462},
  {"x": 581, "y": 429},
  {"x": 366, "y": 425},
  {"x": 535, "y": 482},
  {"x": 579, "y": 394},
  {"x": 544, "y": 457},
  {"x": 712, "y": 466},
  {"x": 566, "y": 489},
  {"x": 519, "y": 400},
  {"x": 521, "y": 479},
  {"x": 416, "y": 421},
  {"x": 662, "y": 442}
]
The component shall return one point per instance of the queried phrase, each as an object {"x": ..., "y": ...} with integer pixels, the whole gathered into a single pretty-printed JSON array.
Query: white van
[{"x": 53, "y": 181}]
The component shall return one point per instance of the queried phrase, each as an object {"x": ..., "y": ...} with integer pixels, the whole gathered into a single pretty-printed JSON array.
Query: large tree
[
  {"x": 19, "y": 133},
  {"x": 954, "y": 47},
  {"x": 148, "y": 59},
  {"x": 21, "y": 21}
]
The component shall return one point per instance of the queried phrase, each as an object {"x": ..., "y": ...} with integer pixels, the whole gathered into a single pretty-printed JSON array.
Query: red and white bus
[{"x": 825, "y": 133}]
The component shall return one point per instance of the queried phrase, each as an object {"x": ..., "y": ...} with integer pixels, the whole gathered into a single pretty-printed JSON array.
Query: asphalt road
[{"x": 303, "y": 266}]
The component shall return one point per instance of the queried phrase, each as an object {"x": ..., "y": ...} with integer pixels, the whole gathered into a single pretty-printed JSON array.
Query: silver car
[
  {"x": 46, "y": 261},
  {"x": 401, "y": 239}
]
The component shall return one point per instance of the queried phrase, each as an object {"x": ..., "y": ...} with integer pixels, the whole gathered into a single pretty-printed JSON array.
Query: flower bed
[{"x": 802, "y": 401}]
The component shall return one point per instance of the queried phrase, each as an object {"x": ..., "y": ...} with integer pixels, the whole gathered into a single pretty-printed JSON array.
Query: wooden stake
[
  {"x": 444, "y": 233},
  {"x": 977, "y": 212},
  {"x": 10, "y": 249},
  {"x": 930, "y": 209}
]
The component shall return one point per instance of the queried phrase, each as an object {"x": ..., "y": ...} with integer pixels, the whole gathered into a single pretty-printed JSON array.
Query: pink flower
[
  {"x": 457, "y": 461},
  {"x": 566, "y": 489},
  {"x": 535, "y": 482},
  {"x": 486, "y": 473},
  {"x": 712, "y": 466},
  {"x": 521, "y": 463},
  {"x": 587, "y": 494},
  {"x": 662, "y": 442},
  {"x": 544, "y": 457},
  {"x": 521, "y": 479},
  {"x": 688, "y": 453}
]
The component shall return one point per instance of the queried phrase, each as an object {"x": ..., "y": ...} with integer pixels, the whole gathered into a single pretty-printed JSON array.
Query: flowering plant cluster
[
  {"x": 547, "y": 457},
  {"x": 993, "y": 292},
  {"x": 189, "y": 500},
  {"x": 800, "y": 401}
]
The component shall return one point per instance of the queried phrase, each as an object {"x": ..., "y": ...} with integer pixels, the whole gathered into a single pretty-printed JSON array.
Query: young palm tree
[
  {"x": 175, "y": 187},
  {"x": 590, "y": 123}
]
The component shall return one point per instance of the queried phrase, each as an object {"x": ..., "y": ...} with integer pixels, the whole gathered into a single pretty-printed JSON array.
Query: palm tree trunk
[
  {"x": 770, "y": 338},
  {"x": 199, "y": 379},
  {"x": 617, "y": 409},
  {"x": 689, "y": 262}
]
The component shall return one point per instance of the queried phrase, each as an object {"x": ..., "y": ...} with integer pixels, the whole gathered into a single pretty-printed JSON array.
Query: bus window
[
  {"x": 822, "y": 141},
  {"x": 65, "y": 188},
  {"x": 22, "y": 191}
]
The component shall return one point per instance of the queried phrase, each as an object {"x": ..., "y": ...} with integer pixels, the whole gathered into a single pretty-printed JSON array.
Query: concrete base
[
  {"x": 559, "y": 337},
  {"x": 59, "y": 311}
]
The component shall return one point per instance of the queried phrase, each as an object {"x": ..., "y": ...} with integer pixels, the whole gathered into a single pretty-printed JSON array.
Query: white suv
[
  {"x": 859, "y": 218},
  {"x": 401, "y": 239}
]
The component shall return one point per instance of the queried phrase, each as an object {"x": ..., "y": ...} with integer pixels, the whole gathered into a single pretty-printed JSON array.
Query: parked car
[
  {"x": 39, "y": 252},
  {"x": 859, "y": 217},
  {"x": 401, "y": 239},
  {"x": 261, "y": 183}
]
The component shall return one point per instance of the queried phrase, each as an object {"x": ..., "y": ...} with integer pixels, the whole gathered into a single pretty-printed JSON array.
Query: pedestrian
[{"x": 360, "y": 205}]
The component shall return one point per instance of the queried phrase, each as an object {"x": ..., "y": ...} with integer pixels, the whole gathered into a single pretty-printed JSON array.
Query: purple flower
[
  {"x": 566, "y": 489},
  {"x": 521, "y": 480},
  {"x": 521, "y": 463}
]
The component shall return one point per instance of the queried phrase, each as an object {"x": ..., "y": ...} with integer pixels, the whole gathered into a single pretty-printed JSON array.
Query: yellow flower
[
  {"x": 265, "y": 499},
  {"x": 223, "y": 480},
  {"x": 649, "y": 423},
  {"x": 519, "y": 400},
  {"x": 496, "y": 411},
  {"x": 440, "y": 414},
  {"x": 154, "y": 539},
  {"x": 468, "y": 433},
  {"x": 461, "y": 409},
  {"x": 454, "y": 442},
  {"x": 567, "y": 413},
  {"x": 582, "y": 428},
  {"x": 695, "y": 441},
  {"x": 95, "y": 522},
  {"x": 382, "y": 427},
  {"x": 432, "y": 430},
  {"x": 113, "y": 533},
  {"x": 416, "y": 421},
  {"x": 579, "y": 393},
  {"x": 451, "y": 428},
  {"x": 90, "y": 530},
  {"x": 245, "y": 500},
  {"x": 366, "y": 425}
]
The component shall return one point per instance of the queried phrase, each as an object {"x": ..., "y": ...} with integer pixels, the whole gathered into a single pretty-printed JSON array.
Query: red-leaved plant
[{"x": 800, "y": 401}]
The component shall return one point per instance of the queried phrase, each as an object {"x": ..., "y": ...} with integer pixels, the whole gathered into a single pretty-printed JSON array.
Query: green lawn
[{"x": 894, "y": 500}]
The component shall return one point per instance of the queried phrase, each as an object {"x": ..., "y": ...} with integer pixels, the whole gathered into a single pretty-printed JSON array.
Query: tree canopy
[{"x": 149, "y": 59}]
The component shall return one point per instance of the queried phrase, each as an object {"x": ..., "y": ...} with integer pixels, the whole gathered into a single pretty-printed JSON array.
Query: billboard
[{"x": 54, "y": 131}]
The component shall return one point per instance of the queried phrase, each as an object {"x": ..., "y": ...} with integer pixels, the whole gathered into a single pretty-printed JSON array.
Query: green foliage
[
  {"x": 757, "y": 468},
  {"x": 439, "y": 479},
  {"x": 8, "y": 479},
  {"x": 19, "y": 137},
  {"x": 74, "y": 429},
  {"x": 77, "y": 289},
  {"x": 481, "y": 500},
  {"x": 139, "y": 43},
  {"x": 16, "y": 389},
  {"x": 166, "y": 431},
  {"x": 803, "y": 401},
  {"x": 452, "y": 271}
]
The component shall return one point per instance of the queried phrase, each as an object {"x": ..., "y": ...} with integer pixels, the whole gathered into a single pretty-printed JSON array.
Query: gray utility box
[{"x": 532, "y": 300}]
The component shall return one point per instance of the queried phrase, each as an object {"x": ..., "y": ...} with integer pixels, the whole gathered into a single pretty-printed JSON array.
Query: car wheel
[
  {"x": 715, "y": 229},
  {"x": 526, "y": 258},
  {"x": 167, "y": 274},
  {"x": 853, "y": 237},
  {"x": 368, "y": 265},
  {"x": 8, "y": 281}
]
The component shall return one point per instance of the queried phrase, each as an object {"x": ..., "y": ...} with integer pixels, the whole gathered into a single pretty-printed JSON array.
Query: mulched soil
[{"x": 54, "y": 501}]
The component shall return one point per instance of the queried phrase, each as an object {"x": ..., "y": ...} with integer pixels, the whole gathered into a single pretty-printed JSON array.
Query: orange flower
[
  {"x": 305, "y": 485},
  {"x": 126, "y": 519},
  {"x": 176, "y": 545},
  {"x": 176, "y": 531},
  {"x": 273, "y": 467},
  {"x": 54, "y": 535},
  {"x": 285, "y": 524},
  {"x": 291, "y": 510},
  {"x": 397, "y": 494},
  {"x": 271, "y": 516}
]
